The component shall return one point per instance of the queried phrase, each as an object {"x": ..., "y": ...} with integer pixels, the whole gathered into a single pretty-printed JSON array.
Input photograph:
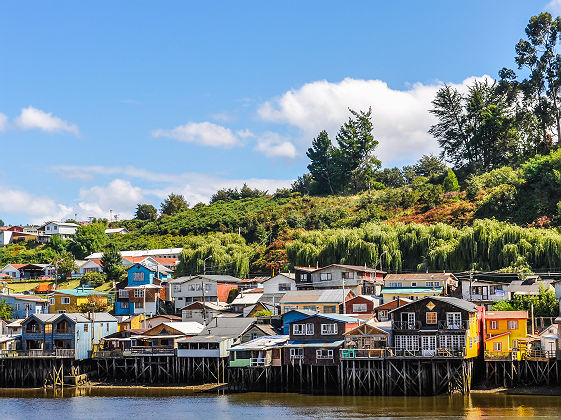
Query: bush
[{"x": 93, "y": 278}]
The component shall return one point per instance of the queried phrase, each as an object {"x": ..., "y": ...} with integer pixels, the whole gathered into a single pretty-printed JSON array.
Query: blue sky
[{"x": 107, "y": 104}]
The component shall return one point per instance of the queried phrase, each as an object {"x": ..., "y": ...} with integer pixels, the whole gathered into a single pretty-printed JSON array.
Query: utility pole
[
  {"x": 204, "y": 304},
  {"x": 470, "y": 283},
  {"x": 204, "y": 264}
]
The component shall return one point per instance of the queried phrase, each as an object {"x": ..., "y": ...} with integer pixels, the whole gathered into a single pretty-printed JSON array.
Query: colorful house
[
  {"x": 381, "y": 312},
  {"x": 415, "y": 286},
  {"x": 69, "y": 300},
  {"x": 361, "y": 304},
  {"x": 25, "y": 305},
  {"x": 143, "y": 290},
  {"x": 367, "y": 341},
  {"x": 260, "y": 352},
  {"x": 503, "y": 331},
  {"x": 436, "y": 326}
]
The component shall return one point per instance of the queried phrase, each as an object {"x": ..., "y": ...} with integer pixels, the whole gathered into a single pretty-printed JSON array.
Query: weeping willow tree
[
  {"x": 487, "y": 245},
  {"x": 219, "y": 253}
]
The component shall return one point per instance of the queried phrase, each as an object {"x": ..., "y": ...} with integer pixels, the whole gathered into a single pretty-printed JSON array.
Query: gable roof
[
  {"x": 367, "y": 328},
  {"x": 459, "y": 303},
  {"x": 506, "y": 314},
  {"x": 389, "y": 305},
  {"x": 221, "y": 328},
  {"x": 412, "y": 290},
  {"x": 186, "y": 328},
  {"x": 262, "y": 343},
  {"x": 215, "y": 306},
  {"x": 246, "y": 299},
  {"x": 315, "y": 296}
]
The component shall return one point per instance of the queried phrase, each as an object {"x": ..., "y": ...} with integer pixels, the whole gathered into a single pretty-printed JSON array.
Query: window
[
  {"x": 348, "y": 275},
  {"x": 187, "y": 314},
  {"x": 325, "y": 276},
  {"x": 497, "y": 346},
  {"x": 283, "y": 287},
  {"x": 324, "y": 354},
  {"x": 139, "y": 305},
  {"x": 253, "y": 336},
  {"x": 85, "y": 327},
  {"x": 432, "y": 284},
  {"x": 296, "y": 353},
  {"x": 17, "y": 306},
  {"x": 65, "y": 301},
  {"x": 431, "y": 317},
  {"x": 138, "y": 293},
  {"x": 309, "y": 329},
  {"x": 409, "y": 319},
  {"x": 298, "y": 329},
  {"x": 413, "y": 284},
  {"x": 330, "y": 309},
  {"x": 123, "y": 293},
  {"x": 177, "y": 288},
  {"x": 51, "y": 301},
  {"x": 303, "y": 277},
  {"x": 407, "y": 342},
  {"x": 512, "y": 325},
  {"x": 359, "y": 307},
  {"x": 453, "y": 320},
  {"x": 288, "y": 308},
  {"x": 396, "y": 284},
  {"x": 454, "y": 342},
  {"x": 493, "y": 325},
  {"x": 137, "y": 276},
  {"x": 124, "y": 305},
  {"x": 310, "y": 307},
  {"x": 328, "y": 329},
  {"x": 61, "y": 311}
]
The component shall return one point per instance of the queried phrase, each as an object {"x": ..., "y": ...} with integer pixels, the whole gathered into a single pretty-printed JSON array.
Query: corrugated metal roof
[
  {"x": 221, "y": 328},
  {"x": 315, "y": 296},
  {"x": 261, "y": 343}
]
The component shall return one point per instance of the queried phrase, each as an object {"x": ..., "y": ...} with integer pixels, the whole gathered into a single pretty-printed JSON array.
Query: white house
[
  {"x": 207, "y": 288},
  {"x": 89, "y": 266},
  {"x": 280, "y": 284},
  {"x": 484, "y": 291},
  {"x": 63, "y": 229},
  {"x": 13, "y": 270},
  {"x": 112, "y": 231},
  {"x": 154, "y": 253}
]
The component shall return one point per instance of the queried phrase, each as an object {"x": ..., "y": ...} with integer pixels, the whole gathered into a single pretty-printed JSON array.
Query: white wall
[{"x": 272, "y": 285}]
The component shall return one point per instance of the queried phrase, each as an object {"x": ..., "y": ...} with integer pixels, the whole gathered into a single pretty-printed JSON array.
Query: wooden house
[
  {"x": 70, "y": 300},
  {"x": 164, "y": 336},
  {"x": 260, "y": 352},
  {"x": 317, "y": 339},
  {"x": 366, "y": 341},
  {"x": 415, "y": 286},
  {"x": 381, "y": 313},
  {"x": 361, "y": 304},
  {"x": 503, "y": 331},
  {"x": 203, "y": 312},
  {"x": 436, "y": 326}
]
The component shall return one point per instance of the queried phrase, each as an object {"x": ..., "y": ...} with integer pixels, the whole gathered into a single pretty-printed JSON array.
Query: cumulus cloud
[
  {"x": 36, "y": 209},
  {"x": 204, "y": 133},
  {"x": 119, "y": 195},
  {"x": 35, "y": 119},
  {"x": 273, "y": 145},
  {"x": 401, "y": 117},
  {"x": 554, "y": 6}
]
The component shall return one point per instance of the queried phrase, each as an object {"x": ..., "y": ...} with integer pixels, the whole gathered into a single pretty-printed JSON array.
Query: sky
[{"x": 104, "y": 105}]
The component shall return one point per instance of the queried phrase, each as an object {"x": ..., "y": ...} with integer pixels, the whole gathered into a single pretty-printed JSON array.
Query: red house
[{"x": 360, "y": 304}]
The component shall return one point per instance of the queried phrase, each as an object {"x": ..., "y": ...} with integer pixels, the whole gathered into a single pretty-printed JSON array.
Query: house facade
[
  {"x": 437, "y": 326},
  {"x": 416, "y": 286},
  {"x": 329, "y": 301},
  {"x": 502, "y": 334},
  {"x": 484, "y": 292},
  {"x": 317, "y": 339},
  {"x": 63, "y": 229},
  {"x": 279, "y": 284},
  {"x": 68, "y": 300},
  {"x": 207, "y": 288},
  {"x": 13, "y": 270},
  {"x": 362, "y": 280},
  {"x": 202, "y": 312},
  {"x": 361, "y": 304},
  {"x": 25, "y": 305}
]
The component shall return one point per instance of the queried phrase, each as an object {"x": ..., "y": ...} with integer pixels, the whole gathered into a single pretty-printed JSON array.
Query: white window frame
[
  {"x": 359, "y": 307},
  {"x": 497, "y": 346},
  {"x": 139, "y": 276},
  {"x": 123, "y": 293},
  {"x": 309, "y": 329},
  {"x": 396, "y": 284},
  {"x": 493, "y": 325},
  {"x": 298, "y": 329},
  {"x": 124, "y": 305},
  {"x": 325, "y": 277},
  {"x": 65, "y": 300},
  {"x": 427, "y": 318},
  {"x": 512, "y": 325},
  {"x": 138, "y": 293},
  {"x": 51, "y": 301},
  {"x": 296, "y": 353},
  {"x": 329, "y": 329},
  {"x": 453, "y": 320},
  {"x": 324, "y": 354}
]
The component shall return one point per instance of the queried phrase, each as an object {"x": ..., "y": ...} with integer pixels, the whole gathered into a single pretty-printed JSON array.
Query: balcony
[
  {"x": 362, "y": 353},
  {"x": 33, "y": 330},
  {"x": 406, "y": 325},
  {"x": 59, "y": 353},
  {"x": 438, "y": 353},
  {"x": 257, "y": 362},
  {"x": 63, "y": 331},
  {"x": 454, "y": 325}
]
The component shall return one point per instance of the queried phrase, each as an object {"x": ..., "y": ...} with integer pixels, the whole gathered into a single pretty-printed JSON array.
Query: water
[{"x": 164, "y": 405}]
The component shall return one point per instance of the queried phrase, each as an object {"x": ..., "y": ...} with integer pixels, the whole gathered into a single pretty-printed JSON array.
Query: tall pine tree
[{"x": 321, "y": 165}]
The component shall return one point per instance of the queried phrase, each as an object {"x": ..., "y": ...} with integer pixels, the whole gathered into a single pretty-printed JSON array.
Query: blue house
[
  {"x": 294, "y": 315},
  {"x": 143, "y": 290},
  {"x": 70, "y": 334},
  {"x": 25, "y": 305}
]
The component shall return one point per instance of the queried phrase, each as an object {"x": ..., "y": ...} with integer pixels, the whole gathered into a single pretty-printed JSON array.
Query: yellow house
[
  {"x": 503, "y": 330},
  {"x": 326, "y": 301},
  {"x": 133, "y": 322},
  {"x": 70, "y": 300}
]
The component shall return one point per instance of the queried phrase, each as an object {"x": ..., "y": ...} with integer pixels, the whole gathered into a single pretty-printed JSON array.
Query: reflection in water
[{"x": 144, "y": 403}]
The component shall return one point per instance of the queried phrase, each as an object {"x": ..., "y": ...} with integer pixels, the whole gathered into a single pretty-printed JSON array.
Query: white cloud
[
  {"x": 272, "y": 145},
  {"x": 119, "y": 195},
  {"x": 554, "y": 6},
  {"x": 401, "y": 117},
  {"x": 3, "y": 122},
  {"x": 37, "y": 209},
  {"x": 33, "y": 118},
  {"x": 204, "y": 133}
]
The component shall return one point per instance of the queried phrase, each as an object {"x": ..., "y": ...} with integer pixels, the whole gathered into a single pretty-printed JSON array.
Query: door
[
  {"x": 408, "y": 319},
  {"x": 428, "y": 345}
]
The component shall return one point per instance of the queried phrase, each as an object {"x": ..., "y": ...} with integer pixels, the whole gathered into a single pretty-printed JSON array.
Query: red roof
[
  {"x": 135, "y": 260},
  {"x": 165, "y": 261},
  {"x": 18, "y": 266},
  {"x": 506, "y": 314},
  {"x": 256, "y": 290},
  {"x": 98, "y": 262}
]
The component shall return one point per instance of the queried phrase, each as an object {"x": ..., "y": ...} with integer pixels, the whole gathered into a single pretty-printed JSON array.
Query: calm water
[{"x": 106, "y": 405}]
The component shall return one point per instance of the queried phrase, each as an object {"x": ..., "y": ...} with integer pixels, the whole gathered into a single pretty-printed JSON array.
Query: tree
[
  {"x": 96, "y": 303},
  {"x": 263, "y": 312},
  {"x": 391, "y": 177},
  {"x": 429, "y": 166},
  {"x": 112, "y": 264},
  {"x": 88, "y": 239},
  {"x": 355, "y": 160},
  {"x": 65, "y": 264},
  {"x": 477, "y": 131},
  {"x": 451, "y": 182},
  {"x": 321, "y": 165},
  {"x": 146, "y": 212},
  {"x": 1, "y": 223},
  {"x": 6, "y": 311},
  {"x": 57, "y": 244},
  {"x": 304, "y": 184},
  {"x": 173, "y": 204},
  {"x": 538, "y": 54},
  {"x": 93, "y": 278}
]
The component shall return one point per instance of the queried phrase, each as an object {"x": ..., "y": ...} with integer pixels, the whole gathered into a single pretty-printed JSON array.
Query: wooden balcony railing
[{"x": 406, "y": 325}]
